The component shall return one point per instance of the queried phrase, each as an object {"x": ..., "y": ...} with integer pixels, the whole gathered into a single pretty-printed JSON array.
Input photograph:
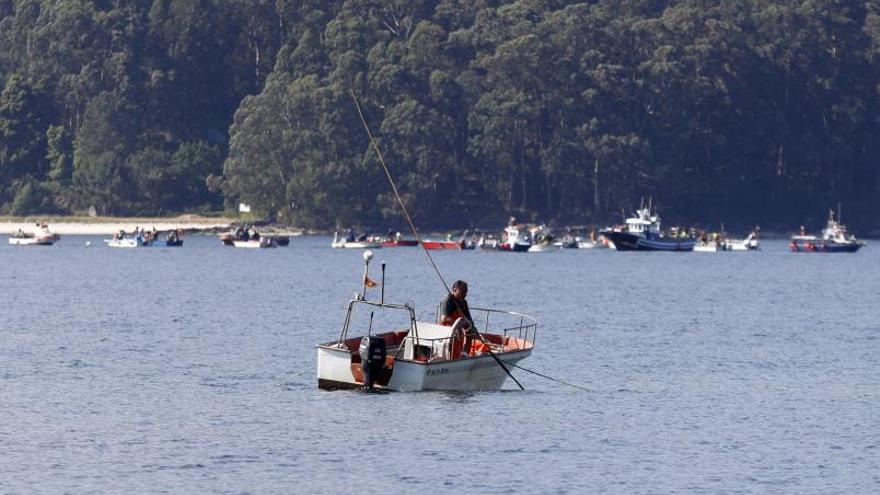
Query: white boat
[
  {"x": 41, "y": 237},
  {"x": 542, "y": 240},
  {"x": 515, "y": 238},
  {"x": 488, "y": 242},
  {"x": 422, "y": 355},
  {"x": 262, "y": 242},
  {"x": 30, "y": 240},
  {"x": 343, "y": 243},
  {"x": 126, "y": 242},
  {"x": 720, "y": 242},
  {"x": 750, "y": 243},
  {"x": 543, "y": 248}
]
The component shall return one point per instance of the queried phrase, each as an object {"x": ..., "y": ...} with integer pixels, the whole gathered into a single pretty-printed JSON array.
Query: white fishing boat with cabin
[
  {"x": 349, "y": 242},
  {"x": 750, "y": 243},
  {"x": 423, "y": 355}
]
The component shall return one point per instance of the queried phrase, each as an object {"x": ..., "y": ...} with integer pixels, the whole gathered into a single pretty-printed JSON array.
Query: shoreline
[{"x": 111, "y": 225}]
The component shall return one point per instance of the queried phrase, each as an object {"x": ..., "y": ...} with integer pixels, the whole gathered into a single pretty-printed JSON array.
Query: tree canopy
[{"x": 752, "y": 112}]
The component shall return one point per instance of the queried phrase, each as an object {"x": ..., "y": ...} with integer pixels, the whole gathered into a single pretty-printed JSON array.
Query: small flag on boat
[{"x": 368, "y": 282}]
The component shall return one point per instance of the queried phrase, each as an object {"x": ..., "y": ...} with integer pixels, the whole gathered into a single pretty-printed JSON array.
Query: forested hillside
[{"x": 753, "y": 111}]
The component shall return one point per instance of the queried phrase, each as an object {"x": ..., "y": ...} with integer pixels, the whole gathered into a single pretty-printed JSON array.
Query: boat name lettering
[{"x": 441, "y": 371}]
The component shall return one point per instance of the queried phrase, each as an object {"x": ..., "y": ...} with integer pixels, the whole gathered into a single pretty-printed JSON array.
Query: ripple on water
[{"x": 710, "y": 374}]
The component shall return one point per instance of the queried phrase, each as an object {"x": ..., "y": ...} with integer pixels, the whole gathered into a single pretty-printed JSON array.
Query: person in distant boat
[{"x": 803, "y": 230}]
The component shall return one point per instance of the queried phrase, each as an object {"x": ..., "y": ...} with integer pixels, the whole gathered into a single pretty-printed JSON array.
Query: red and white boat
[
  {"x": 41, "y": 237},
  {"x": 835, "y": 239},
  {"x": 419, "y": 355},
  {"x": 395, "y": 239},
  {"x": 515, "y": 238}
]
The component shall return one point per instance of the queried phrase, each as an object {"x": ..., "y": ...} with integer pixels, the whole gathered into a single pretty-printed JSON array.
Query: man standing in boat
[{"x": 455, "y": 306}]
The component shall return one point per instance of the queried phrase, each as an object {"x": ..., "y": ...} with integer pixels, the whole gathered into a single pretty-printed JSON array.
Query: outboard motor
[{"x": 373, "y": 352}]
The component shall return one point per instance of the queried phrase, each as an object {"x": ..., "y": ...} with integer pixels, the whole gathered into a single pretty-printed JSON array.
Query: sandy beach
[{"x": 110, "y": 225}]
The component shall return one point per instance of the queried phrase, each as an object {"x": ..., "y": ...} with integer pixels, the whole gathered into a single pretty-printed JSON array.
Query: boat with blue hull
[
  {"x": 835, "y": 239},
  {"x": 642, "y": 233}
]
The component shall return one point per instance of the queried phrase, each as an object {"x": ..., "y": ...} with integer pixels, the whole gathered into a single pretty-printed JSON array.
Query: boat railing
[
  {"x": 516, "y": 328},
  {"x": 429, "y": 350},
  {"x": 378, "y": 305}
]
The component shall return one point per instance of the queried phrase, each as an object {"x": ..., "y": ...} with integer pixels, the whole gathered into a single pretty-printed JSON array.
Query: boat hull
[
  {"x": 820, "y": 246},
  {"x": 625, "y": 241},
  {"x": 543, "y": 248},
  {"x": 437, "y": 245},
  {"x": 252, "y": 244},
  {"x": 126, "y": 243},
  {"x": 31, "y": 241},
  {"x": 473, "y": 373},
  {"x": 515, "y": 248},
  {"x": 403, "y": 243},
  {"x": 356, "y": 245}
]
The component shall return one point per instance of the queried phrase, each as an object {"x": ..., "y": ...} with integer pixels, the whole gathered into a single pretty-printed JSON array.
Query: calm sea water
[{"x": 192, "y": 370}]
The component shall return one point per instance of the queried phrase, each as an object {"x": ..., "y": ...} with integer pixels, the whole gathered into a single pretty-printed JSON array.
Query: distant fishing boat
[
  {"x": 140, "y": 238},
  {"x": 542, "y": 240},
  {"x": 750, "y": 243},
  {"x": 174, "y": 239},
  {"x": 248, "y": 238},
  {"x": 394, "y": 239},
  {"x": 516, "y": 238},
  {"x": 400, "y": 243},
  {"x": 128, "y": 242},
  {"x": 350, "y": 242},
  {"x": 463, "y": 243},
  {"x": 719, "y": 242},
  {"x": 568, "y": 241},
  {"x": 437, "y": 245},
  {"x": 488, "y": 241},
  {"x": 424, "y": 355},
  {"x": 835, "y": 239},
  {"x": 642, "y": 233},
  {"x": 258, "y": 243},
  {"x": 41, "y": 237}
]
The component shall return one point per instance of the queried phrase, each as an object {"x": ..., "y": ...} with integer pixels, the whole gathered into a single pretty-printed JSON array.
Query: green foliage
[{"x": 758, "y": 111}]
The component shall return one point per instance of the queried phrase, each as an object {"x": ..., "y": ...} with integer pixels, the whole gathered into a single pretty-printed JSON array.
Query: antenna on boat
[
  {"x": 382, "y": 297},
  {"x": 415, "y": 231}
]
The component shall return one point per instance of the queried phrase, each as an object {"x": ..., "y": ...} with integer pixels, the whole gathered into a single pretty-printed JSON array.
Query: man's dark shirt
[{"x": 455, "y": 307}]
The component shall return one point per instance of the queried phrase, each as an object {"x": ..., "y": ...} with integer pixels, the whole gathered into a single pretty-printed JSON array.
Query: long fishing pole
[{"x": 412, "y": 226}]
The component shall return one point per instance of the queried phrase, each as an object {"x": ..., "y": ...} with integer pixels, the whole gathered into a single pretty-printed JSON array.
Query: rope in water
[
  {"x": 546, "y": 376},
  {"x": 412, "y": 226}
]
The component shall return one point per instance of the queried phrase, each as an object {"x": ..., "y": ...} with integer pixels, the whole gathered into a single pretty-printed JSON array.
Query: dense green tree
[
  {"x": 759, "y": 111},
  {"x": 24, "y": 117}
]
